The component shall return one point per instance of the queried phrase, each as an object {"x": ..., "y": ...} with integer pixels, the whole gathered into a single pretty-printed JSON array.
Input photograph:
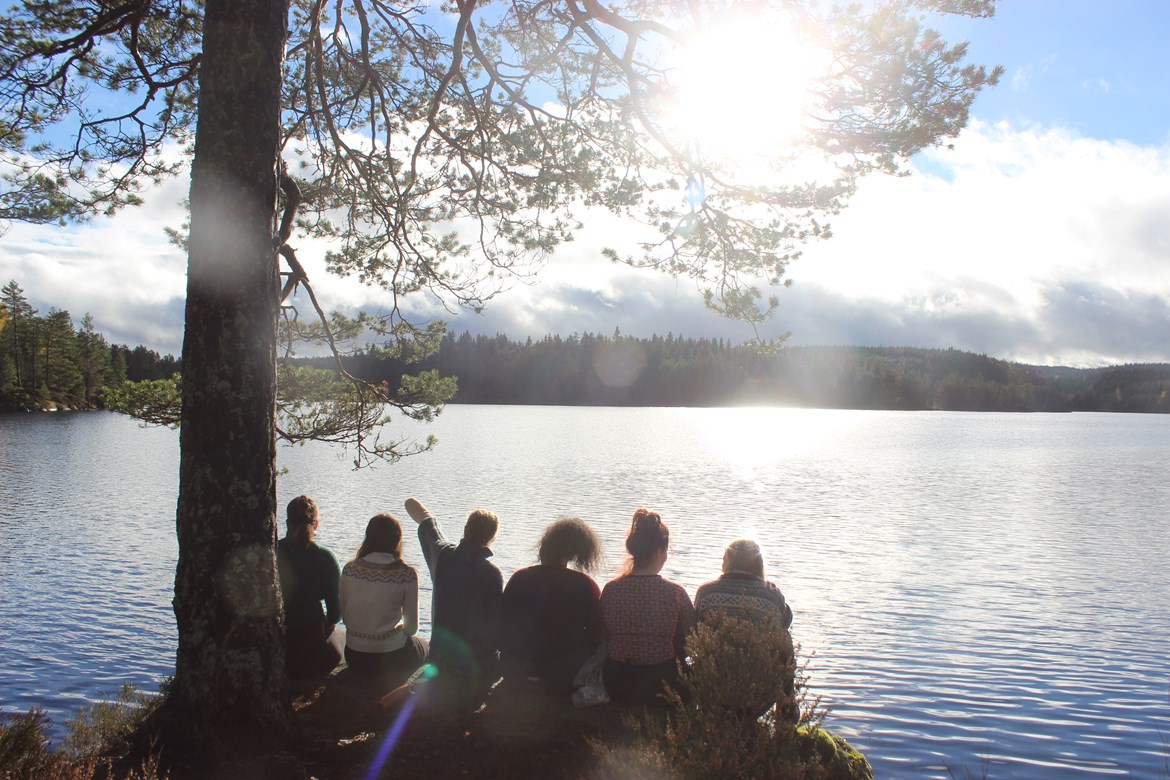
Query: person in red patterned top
[{"x": 646, "y": 618}]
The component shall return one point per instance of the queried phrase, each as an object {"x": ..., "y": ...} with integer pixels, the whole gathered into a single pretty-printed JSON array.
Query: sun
[{"x": 743, "y": 86}]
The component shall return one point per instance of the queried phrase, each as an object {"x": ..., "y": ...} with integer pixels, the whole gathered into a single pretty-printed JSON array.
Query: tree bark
[{"x": 229, "y": 673}]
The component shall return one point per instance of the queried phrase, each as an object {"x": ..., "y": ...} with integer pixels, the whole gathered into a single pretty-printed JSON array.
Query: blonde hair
[
  {"x": 481, "y": 527},
  {"x": 744, "y": 556}
]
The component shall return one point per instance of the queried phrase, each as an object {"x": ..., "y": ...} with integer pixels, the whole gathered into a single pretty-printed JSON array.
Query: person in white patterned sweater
[{"x": 379, "y": 605}]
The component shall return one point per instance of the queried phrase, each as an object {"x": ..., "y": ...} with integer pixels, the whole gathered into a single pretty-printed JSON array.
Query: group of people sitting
[{"x": 542, "y": 628}]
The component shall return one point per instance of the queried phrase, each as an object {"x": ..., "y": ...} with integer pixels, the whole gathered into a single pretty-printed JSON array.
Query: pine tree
[
  {"x": 438, "y": 154},
  {"x": 93, "y": 353},
  {"x": 16, "y": 342}
]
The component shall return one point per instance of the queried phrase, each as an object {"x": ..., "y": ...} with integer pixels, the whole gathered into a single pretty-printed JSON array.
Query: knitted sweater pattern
[
  {"x": 645, "y": 619},
  {"x": 745, "y": 597},
  {"x": 378, "y": 592}
]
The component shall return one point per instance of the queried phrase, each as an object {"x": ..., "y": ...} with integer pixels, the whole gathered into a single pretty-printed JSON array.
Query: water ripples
[{"x": 978, "y": 594}]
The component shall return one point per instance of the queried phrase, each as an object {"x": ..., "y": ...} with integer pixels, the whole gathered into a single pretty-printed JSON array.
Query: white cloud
[
  {"x": 1020, "y": 216},
  {"x": 1023, "y": 76},
  {"x": 1021, "y": 79},
  {"x": 1027, "y": 243}
]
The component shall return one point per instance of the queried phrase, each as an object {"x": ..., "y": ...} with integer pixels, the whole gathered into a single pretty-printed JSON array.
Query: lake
[{"x": 977, "y": 592}]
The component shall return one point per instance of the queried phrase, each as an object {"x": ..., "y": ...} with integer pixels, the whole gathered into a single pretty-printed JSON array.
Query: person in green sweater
[{"x": 309, "y": 577}]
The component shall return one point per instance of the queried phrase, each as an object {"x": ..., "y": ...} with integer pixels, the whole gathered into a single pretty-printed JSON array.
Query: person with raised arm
[
  {"x": 379, "y": 604},
  {"x": 309, "y": 576},
  {"x": 465, "y": 606},
  {"x": 646, "y": 618}
]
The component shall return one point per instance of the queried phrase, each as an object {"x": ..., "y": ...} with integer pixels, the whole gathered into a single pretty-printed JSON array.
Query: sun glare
[{"x": 743, "y": 86}]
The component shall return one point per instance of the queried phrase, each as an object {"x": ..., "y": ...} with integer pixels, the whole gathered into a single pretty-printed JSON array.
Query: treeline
[
  {"x": 667, "y": 371},
  {"x": 47, "y": 363}
]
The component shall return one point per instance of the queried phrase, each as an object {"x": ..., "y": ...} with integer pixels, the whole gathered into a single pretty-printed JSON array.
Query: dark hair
[
  {"x": 384, "y": 535},
  {"x": 648, "y": 534},
  {"x": 481, "y": 527},
  {"x": 301, "y": 519},
  {"x": 745, "y": 556},
  {"x": 570, "y": 539}
]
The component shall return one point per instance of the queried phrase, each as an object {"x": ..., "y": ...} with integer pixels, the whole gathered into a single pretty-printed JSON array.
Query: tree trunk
[{"x": 229, "y": 678}]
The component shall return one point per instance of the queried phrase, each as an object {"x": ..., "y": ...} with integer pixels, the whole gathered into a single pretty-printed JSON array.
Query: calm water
[{"x": 978, "y": 592}]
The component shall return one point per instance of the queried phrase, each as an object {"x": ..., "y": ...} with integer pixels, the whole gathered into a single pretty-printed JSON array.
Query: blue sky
[
  {"x": 1094, "y": 66},
  {"x": 1042, "y": 236}
]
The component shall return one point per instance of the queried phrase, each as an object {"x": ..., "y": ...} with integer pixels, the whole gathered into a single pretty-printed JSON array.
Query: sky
[{"x": 1042, "y": 236}]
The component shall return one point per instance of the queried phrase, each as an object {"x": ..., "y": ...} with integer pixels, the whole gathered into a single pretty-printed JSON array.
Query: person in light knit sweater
[
  {"x": 379, "y": 604},
  {"x": 743, "y": 592}
]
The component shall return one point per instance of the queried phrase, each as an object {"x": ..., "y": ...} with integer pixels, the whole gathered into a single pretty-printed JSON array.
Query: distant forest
[
  {"x": 47, "y": 362},
  {"x": 669, "y": 371}
]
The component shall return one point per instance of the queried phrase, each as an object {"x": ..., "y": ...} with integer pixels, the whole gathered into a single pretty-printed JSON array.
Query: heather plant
[
  {"x": 97, "y": 737},
  {"x": 24, "y": 747},
  {"x": 746, "y": 713},
  {"x": 107, "y": 727}
]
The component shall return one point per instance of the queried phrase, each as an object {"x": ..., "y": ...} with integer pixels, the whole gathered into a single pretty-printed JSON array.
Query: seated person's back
[
  {"x": 465, "y": 606},
  {"x": 550, "y": 620},
  {"x": 309, "y": 576},
  {"x": 646, "y": 618}
]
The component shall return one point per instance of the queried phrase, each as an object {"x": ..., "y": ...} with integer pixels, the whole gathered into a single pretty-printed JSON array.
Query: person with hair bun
[
  {"x": 379, "y": 604},
  {"x": 646, "y": 618},
  {"x": 309, "y": 575},
  {"x": 550, "y": 620}
]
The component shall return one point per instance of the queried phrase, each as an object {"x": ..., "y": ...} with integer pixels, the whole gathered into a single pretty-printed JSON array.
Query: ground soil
[{"x": 519, "y": 732}]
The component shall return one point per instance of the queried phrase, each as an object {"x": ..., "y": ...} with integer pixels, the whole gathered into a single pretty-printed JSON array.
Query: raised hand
[{"x": 416, "y": 510}]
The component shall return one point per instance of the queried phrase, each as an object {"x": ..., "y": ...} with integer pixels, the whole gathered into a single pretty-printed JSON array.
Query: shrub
[
  {"x": 97, "y": 735},
  {"x": 24, "y": 746},
  {"x": 747, "y": 715},
  {"x": 107, "y": 727}
]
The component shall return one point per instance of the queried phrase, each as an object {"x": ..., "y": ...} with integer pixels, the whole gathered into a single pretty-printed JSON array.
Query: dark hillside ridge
[{"x": 592, "y": 370}]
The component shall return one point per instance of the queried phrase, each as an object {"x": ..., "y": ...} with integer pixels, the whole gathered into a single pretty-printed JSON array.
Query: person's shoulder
[
  {"x": 705, "y": 589},
  {"x": 708, "y": 585},
  {"x": 524, "y": 574},
  {"x": 616, "y": 584},
  {"x": 322, "y": 553},
  {"x": 581, "y": 577},
  {"x": 578, "y": 580},
  {"x": 394, "y": 571},
  {"x": 681, "y": 592}
]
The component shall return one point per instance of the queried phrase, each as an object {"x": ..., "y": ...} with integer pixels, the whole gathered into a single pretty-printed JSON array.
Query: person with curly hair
[{"x": 550, "y": 620}]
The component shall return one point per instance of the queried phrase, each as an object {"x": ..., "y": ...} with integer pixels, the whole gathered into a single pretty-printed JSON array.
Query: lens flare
[{"x": 392, "y": 737}]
